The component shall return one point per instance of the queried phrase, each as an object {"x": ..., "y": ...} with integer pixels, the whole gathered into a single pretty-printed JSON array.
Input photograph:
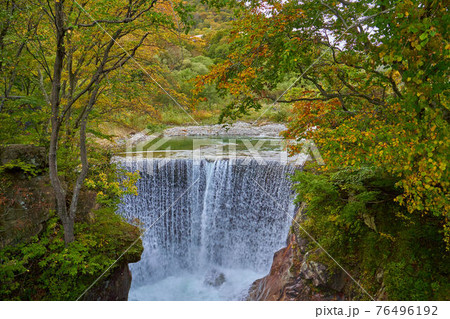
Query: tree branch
[{"x": 129, "y": 18}]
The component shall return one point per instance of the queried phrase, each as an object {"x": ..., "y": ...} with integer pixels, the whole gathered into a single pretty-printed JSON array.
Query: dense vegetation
[
  {"x": 365, "y": 80},
  {"x": 75, "y": 75},
  {"x": 43, "y": 268},
  {"x": 370, "y": 90},
  {"x": 58, "y": 68}
]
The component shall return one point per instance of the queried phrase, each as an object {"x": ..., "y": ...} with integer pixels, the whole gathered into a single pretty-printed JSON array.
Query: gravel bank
[{"x": 236, "y": 129}]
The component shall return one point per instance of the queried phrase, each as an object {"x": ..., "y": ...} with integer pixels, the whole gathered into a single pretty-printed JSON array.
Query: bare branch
[{"x": 129, "y": 17}]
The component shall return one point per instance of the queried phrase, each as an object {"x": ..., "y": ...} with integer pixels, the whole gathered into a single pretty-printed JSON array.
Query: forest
[{"x": 366, "y": 80}]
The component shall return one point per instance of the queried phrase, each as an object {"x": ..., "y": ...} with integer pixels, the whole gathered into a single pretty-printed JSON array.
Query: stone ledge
[{"x": 30, "y": 154}]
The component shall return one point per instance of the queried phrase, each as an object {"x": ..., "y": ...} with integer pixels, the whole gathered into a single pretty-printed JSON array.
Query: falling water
[{"x": 220, "y": 218}]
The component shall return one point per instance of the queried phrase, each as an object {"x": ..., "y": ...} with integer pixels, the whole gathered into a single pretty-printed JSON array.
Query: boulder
[{"x": 214, "y": 278}]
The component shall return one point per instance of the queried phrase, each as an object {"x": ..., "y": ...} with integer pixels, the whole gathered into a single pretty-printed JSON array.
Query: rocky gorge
[
  {"x": 294, "y": 273},
  {"x": 217, "y": 205},
  {"x": 295, "y": 276}
]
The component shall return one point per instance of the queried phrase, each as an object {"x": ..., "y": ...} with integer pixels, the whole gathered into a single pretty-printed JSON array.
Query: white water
[{"x": 227, "y": 216}]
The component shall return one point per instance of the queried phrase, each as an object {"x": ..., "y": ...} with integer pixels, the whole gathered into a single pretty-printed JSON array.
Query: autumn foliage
[
  {"x": 373, "y": 98},
  {"x": 368, "y": 86}
]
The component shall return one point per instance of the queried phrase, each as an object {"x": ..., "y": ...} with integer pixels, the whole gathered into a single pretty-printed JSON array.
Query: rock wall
[
  {"x": 294, "y": 275},
  {"x": 24, "y": 208},
  {"x": 35, "y": 155},
  {"x": 25, "y": 202},
  {"x": 115, "y": 287}
]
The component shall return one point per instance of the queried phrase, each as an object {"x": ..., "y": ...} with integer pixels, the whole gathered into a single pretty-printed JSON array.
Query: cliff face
[
  {"x": 25, "y": 202},
  {"x": 115, "y": 287},
  {"x": 25, "y": 198},
  {"x": 34, "y": 155},
  {"x": 294, "y": 275}
]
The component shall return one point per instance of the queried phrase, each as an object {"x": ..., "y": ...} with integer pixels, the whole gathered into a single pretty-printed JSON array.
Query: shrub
[
  {"x": 352, "y": 214},
  {"x": 45, "y": 269}
]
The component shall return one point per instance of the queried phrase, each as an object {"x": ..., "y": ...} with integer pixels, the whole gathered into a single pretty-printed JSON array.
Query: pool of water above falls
[
  {"x": 212, "y": 226},
  {"x": 213, "y": 148}
]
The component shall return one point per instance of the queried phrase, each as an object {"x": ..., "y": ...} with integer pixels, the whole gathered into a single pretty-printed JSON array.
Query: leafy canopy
[{"x": 370, "y": 91}]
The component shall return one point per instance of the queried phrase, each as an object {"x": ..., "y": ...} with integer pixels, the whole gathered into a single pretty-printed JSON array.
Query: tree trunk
[
  {"x": 66, "y": 211},
  {"x": 55, "y": 99},
  {"x": 83, "y": 155},
  {"x": 68, "y": 225}
]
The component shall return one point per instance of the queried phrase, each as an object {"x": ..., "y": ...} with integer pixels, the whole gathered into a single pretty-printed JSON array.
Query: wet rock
[
  {"x": 294, "y": 275},
  {"x": 214, "y": 278},
  {"x": 272, "y": 287},
  {"x": 292, "y": 278},
  {"x": 114, "y": 288},
  {"x": 316, "y": 272}
]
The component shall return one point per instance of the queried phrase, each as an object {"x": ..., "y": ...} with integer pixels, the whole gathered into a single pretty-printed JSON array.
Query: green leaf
[{"x": 423, "y": 36}]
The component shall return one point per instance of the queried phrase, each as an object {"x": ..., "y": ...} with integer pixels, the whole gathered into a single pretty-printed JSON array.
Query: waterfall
[{"x": 225, "y": 215}]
